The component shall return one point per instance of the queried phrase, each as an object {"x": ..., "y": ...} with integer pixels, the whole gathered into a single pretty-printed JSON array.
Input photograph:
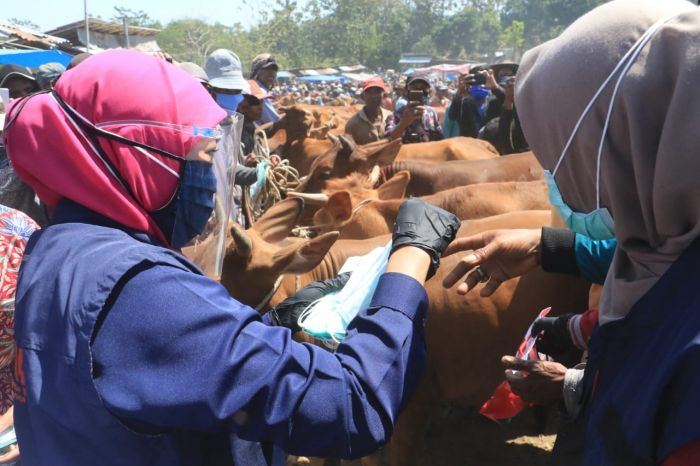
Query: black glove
[
  {"x": 555, "y": 338},
  {"x": 425, "y": 226},
  {"x": 286, "y": 313}
]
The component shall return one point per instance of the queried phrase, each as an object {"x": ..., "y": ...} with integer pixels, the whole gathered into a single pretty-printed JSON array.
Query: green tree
[
  {"x": 513, "y": 37},
  {"x": 134, "y": 17}
]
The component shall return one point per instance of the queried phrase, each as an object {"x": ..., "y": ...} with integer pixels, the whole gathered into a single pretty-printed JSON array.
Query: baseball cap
[
  {"x": 374, "y": 81},
  {"x": 417, "y": 78},
  {"x": 225, "y": 72},
  {"x": 15, "y": 71}
]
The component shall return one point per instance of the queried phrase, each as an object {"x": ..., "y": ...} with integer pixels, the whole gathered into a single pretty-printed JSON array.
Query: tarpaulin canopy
[
  {"x": 322, "y": 78},
  {"x": 358, "y": 77},
  {"x": 33, "y": 58},
  {"x": 452, "y": 69}
]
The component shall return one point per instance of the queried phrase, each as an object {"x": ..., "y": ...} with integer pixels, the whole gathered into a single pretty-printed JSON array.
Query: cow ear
[
  {"x": 337, "y": 212},
  {"x": 395, "y": 188},
  {"x": 277, "y": 223},
  {"x": 384, "y": 154},
  {"x": 340, "y": 206},
  {"x": 309, "y": 254}
]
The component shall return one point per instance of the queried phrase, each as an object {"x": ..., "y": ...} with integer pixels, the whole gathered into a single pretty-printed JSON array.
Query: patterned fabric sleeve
[{"x": 15, "y": 230}]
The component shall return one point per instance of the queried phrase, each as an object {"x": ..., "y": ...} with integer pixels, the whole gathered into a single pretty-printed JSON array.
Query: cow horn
[
  {"x": 332, "y": 138},
  {"x": 311, "y": 198},
  {"x": 244, "y": 247},
  {"x": 346, "y": 143}
]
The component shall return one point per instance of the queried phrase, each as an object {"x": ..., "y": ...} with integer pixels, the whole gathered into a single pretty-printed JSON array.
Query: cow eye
[{"x": 324, "y": 176}]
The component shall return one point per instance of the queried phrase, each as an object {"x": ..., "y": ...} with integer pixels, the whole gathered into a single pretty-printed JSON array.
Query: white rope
[{"x": 280, "y": 177}]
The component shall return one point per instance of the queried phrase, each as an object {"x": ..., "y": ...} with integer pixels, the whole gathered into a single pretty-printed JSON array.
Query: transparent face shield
[{"x": 207, "y": 249}]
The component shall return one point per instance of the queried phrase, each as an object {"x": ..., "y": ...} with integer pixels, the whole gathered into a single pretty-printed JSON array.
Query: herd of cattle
[{"x": 350, "y": 198}]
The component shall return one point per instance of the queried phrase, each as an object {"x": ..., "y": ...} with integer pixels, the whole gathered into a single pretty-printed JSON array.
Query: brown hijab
[{"x": 650, "y": 168}]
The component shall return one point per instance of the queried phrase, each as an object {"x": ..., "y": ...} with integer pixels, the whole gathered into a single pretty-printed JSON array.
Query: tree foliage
[{"x": 374, "y": 32}]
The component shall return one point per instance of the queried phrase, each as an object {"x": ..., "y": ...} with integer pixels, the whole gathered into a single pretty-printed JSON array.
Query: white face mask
[
  {"x": 597, "y": 225},
  {"x": 329, "y": 317}
]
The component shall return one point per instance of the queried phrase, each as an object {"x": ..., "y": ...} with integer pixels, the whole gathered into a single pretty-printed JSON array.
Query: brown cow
[
  {"x": 376, "y": 217},
  {"x": 430, "y": 178},
  {"x": 466, "y": 336},
  {"x": 351, "y": 158}
]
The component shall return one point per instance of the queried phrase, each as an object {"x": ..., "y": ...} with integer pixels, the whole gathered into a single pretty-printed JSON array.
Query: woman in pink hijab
[{"x": 126, "y": 353}]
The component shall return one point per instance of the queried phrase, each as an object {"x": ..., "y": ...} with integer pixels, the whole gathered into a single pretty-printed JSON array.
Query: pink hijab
[{"x": 52, "y": 155}]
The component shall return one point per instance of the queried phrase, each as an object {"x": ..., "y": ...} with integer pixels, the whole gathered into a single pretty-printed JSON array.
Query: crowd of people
[{"x": 116, "y": 348}]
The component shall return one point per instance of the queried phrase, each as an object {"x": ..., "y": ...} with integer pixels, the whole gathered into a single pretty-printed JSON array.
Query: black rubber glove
[
  {"x": 286, "y": 313},
  {"x": 554, "y": 337},
  {"x": 425, "y": 226}
]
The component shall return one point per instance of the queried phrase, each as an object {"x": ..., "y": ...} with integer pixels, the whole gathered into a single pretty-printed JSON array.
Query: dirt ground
[{"x": 460, "y": 437}]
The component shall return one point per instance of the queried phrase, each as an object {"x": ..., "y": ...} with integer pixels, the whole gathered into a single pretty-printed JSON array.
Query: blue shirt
[
  {"x": 593, "y": 257},
  {"x": 269, "y": 114},
  {"x": 176, "y": 350}
]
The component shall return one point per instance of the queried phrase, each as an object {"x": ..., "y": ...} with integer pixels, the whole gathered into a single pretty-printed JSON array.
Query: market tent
[
  {"x": 33, "y": 58},
  {"x": 322, "y": 78},
  {"x": 284, "y": 75},
  {"x": 358, "y": 77}
]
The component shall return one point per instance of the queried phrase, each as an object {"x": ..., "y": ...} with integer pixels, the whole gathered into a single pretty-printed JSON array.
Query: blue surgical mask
[
  {"x": 229, "y": 102},
  {"x": 187, "y": 214},
  {"x": 597, "y": 225},
  {"x": 478, "y": 92}
]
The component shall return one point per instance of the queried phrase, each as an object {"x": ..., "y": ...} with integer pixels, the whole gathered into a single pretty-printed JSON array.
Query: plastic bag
[{"x": 504, "y": 404}]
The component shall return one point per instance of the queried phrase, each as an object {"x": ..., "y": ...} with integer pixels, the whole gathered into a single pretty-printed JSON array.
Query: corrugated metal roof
[
  {"x": 415, "y": 59},
  {"x": 105, "y": 27},
  {"x": 28, "y": 36}
]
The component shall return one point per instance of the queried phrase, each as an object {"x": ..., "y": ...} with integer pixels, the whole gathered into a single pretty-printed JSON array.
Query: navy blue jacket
[
  {"x": 129, "y": 356},
  {"x": 642, "y": 379}
]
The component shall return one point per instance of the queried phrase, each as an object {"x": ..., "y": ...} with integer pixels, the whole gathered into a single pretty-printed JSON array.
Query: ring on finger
[{"x": 481, "y": 274}]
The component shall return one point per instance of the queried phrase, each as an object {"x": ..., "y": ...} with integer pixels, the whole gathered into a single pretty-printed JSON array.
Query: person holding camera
[
  {"x": 416, "y": 121},
  {"x": 468, "y": 107}
]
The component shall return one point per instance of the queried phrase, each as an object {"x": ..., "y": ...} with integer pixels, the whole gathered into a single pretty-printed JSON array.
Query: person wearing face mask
[
  {"x": 127, "y": 352},
  {"x": 638, "y": 401},
  {"x": 415, "y": 121},
  {"x": 468, "y": 107},
  {"x": 223, "y": 67}
]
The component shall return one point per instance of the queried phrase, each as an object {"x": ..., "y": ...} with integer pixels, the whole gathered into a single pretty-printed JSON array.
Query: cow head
[
  {"x": 345, "y": 158},
  {"x": 255, "y": 258},
  {"x": 351, "y": 212},
  {"x": 296, "y": 122}
]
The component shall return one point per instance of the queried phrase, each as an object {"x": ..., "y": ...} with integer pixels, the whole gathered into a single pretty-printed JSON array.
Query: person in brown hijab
[{"x": 635, "y": 154}]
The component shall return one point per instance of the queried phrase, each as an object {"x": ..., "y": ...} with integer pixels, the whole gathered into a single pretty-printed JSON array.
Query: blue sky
[{"x": 49, "y": 14}]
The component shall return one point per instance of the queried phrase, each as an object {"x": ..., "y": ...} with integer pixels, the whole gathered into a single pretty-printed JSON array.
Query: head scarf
[
  {"x": 52, "y": 155},
  {"x": 649, "y": 163}
]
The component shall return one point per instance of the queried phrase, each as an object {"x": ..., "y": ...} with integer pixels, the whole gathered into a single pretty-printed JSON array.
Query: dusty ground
[{"x": 459, "y": 437}]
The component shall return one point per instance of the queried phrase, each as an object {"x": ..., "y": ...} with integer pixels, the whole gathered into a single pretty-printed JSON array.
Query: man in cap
[
  {"x": 251, "y": 108},
  {"x": 19, "y": 80},
  {"x": 223, "y": 67},
  {"x": 415, "y": 121},
  {"x": 264, "y": 72},
  {"x": 48, "y": 73},
  {"x": 369, "y": 124}
]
